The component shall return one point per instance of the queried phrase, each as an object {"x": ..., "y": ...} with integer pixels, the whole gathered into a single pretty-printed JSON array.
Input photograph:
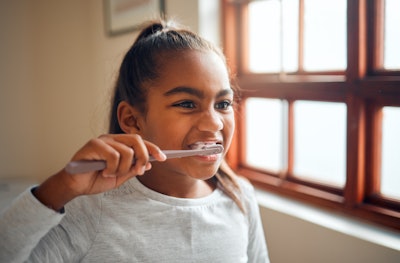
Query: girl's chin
[
  {"x": 199, "y": 168},
  {"x": 203, "y": 175}
]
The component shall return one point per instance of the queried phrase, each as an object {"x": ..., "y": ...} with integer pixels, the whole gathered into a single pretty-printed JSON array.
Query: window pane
[
  {"x": 392, "y": 35},
  {"x": 290, "y": 35},
  {"x": 325, "y": 35},
  {"x": 266, "y": 37},
  {"x": 320, "y": 141},
  {"x": 390, "y": 169},
  {"x": 265, "y": 133}
]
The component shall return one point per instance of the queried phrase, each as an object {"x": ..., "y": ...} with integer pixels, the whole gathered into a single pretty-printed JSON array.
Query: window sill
[{"x": 336, "y": 222}]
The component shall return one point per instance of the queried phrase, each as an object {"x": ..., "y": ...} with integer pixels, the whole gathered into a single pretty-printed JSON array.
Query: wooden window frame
[{"x": 363, "y": 87}]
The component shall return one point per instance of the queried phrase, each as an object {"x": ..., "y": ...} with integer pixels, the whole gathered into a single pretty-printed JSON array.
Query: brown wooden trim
[
  {"x": 379, "y": 215},
  {"x": 244, "y": 39},
  {"x": 232, "y": 156},
  {"x": 230, "y": 38},
  {"x": 375, "y": 151},
  {"x": 385, "y": 73},
  {"x": 375, "y": 35},
  {"x": 356, "y": 39},
  {"x": 323, "y": 92},
  {"x": 280, "y": 185},
  {"x": 354, "y": 190},
  {"x": 323, "y": 199},
  {"x": 242, "y": 120},
  {"x": 289, "y": 78},
  {"x": 383, "y": 201},
  {"x": 301, "y": 35},
  {"x": 323, "y": 187}
]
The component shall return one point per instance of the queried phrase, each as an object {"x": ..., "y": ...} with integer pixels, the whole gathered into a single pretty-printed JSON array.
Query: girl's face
[{"x": 190, "y": 106}]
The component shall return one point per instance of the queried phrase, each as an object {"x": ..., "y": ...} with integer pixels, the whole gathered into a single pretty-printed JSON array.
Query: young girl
[{"x": 173, "y": 92}]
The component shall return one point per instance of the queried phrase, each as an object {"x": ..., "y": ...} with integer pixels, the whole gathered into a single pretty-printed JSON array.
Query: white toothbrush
[{"x": 77, "y": 167}]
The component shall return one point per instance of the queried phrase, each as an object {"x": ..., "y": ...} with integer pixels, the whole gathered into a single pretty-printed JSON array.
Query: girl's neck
[{"x": 178, "y": 186}]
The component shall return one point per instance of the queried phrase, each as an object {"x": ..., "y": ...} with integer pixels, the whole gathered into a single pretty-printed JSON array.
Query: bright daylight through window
[
  {"x": 390, "y": 170},
  {"x": 266, "y": 140},
  {"x": 275, "y": 40},
  {"x": 320, "y": 141},
  {"x": 392, "y": 35}
]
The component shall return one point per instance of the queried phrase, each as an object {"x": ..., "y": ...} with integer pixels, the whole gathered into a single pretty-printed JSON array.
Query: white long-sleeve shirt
[{"x": 134, "y": 224}]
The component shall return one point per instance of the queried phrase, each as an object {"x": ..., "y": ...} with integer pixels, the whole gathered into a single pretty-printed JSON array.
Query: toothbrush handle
[{"x": 77, "y": 167}]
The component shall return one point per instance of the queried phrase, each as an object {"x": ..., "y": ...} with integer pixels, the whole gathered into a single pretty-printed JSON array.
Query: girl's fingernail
[
  {"x": 148, "y": 166},
  {"x": 163, "y": 155}
]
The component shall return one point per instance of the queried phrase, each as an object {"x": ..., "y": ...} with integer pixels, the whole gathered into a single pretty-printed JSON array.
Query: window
[
  {"x": 320, "y": 142},
  {"x": 391, "y": 41},
  {"x": 265, "y": 144},
  {"x": 276, "y": 43},
  {"x": 390, "y": 168},
  {"x": 320, "y": 112}
]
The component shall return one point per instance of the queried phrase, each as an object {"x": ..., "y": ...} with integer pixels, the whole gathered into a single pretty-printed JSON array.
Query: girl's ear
[{"x": 128, "y": 118}]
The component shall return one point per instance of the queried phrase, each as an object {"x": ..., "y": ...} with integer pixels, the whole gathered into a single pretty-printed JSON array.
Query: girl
[{"x": 173, "y": 92}]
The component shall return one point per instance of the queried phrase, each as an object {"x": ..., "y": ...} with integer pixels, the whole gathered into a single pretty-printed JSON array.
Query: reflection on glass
[
  {"x": 320, "y": 141},
  {"x": 325, "y": 35},
  {"x": 392, "y": 35},
  {"x": 390, "y": 162},
  {"x": 265, "y": 134}
]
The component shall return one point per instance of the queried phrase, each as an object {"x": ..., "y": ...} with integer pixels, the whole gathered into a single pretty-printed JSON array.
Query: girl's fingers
[
  {"x": 142, "y": 150},
  {"x": 133, "y": 154},
  {"x": 140, "y": 158},
  {"x": 122, "y": 162},
  {"x": 104, "y": 149},
  {"x": 155, "y": 151},
  {"x": 123, "y": 154}
]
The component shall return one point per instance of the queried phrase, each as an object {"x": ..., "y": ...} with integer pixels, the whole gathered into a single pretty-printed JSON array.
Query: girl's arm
[
  {"x": 28, "y": 219},
  {"x": 257, "y": 248},
  {"x": 22, "y": 224}
]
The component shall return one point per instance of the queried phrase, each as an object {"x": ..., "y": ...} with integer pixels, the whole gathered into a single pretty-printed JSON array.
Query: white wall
[
  {"x": 298, "y": 232},
  {"x": 291, "y": 239}
]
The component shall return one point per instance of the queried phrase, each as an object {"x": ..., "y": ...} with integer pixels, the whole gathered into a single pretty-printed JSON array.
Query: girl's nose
[{"x": 210, "y": 121}]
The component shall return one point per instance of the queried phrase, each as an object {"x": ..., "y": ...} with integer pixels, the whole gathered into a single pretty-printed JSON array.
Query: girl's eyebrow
[
  {"x": 225, "y": 92},
  {"x": 195, "y": 92},
  {"x": 184, "y": 89}
]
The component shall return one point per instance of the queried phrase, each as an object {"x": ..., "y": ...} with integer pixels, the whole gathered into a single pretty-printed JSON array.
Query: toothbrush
[{"x": 76, "y": 167}]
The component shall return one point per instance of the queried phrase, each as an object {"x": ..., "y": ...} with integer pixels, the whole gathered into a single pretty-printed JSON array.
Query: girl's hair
[{"x": 141, "y": 66}]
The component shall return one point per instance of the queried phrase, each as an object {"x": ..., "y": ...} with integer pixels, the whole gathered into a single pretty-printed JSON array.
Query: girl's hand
[{"x": 118, "y": 151}]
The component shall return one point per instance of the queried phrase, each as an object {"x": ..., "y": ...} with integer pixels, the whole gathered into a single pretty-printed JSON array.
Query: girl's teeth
[{"x": 200, "y": 145}]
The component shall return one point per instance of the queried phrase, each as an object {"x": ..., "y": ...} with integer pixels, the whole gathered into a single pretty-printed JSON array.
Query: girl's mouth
[{"x": 210, "y": 157}]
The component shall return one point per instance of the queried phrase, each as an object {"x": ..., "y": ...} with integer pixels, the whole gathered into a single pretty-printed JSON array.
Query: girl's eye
[
  {"x": 185, "y": 104},
  {"x": 223, "y": 105}
]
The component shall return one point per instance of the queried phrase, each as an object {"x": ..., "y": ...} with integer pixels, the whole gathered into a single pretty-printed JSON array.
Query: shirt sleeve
[
  {"x": 257, "y": 248},
  {"x": 30, "y": 231},
  {"x": 22, "y": 225}
]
